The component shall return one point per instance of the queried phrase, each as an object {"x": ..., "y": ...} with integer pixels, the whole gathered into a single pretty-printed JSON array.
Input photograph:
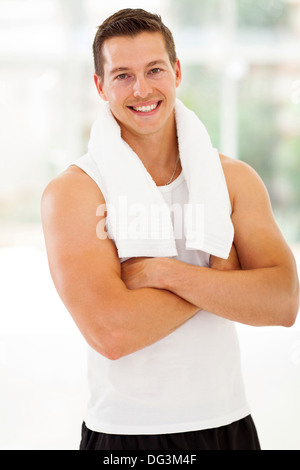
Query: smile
[{"x": 145, "y": 109}]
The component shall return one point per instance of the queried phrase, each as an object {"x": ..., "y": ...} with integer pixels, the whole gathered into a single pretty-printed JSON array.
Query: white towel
[{"x": 138, "y": 219}]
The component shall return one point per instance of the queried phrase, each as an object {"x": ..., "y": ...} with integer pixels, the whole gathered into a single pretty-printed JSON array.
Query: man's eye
[
  {"x": 122, "y": 76},
  {"x": 154, "y": 71}
]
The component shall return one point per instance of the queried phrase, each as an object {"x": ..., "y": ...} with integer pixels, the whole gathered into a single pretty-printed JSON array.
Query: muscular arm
[
  {"x": 264, "y": 292},
  {"x": 87, "y": 274}
]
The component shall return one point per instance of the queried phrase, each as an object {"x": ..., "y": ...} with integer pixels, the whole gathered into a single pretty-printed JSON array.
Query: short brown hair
[{"x": 130, "y": 22}]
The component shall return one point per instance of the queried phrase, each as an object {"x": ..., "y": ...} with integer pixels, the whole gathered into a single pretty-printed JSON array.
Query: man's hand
[
  {"x": 136, "y": 272},
  {"x": 229, "y": 264},
  {"x": 151, "y": 272}
]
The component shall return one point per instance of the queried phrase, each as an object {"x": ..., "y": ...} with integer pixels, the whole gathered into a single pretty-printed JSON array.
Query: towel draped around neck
[{"x": 138, "y": 218}]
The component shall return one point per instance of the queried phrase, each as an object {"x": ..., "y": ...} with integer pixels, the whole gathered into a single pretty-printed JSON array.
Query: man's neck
[{"x": 157, "y": 151}]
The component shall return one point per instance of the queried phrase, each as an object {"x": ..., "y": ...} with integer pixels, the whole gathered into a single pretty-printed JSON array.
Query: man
[{"x": 164, "y": 366}]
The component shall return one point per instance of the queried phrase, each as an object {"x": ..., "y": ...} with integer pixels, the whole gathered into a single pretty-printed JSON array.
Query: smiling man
[
  {"x": 164, "y": 361},
  {"x": 139, "y": 81}
]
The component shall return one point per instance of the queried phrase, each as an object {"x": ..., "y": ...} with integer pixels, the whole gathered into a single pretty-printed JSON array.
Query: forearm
[
  {"x": 118, "y": 321},
  {"x": 255, "y": 297},
  {"x": 146, "y": 315}
]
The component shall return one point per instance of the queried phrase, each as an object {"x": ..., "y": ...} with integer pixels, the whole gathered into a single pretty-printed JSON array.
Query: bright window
[{"x": 241, "y": 74}]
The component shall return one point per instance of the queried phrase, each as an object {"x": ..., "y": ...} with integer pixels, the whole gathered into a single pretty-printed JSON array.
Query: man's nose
[{"x": 141, "y": 87}]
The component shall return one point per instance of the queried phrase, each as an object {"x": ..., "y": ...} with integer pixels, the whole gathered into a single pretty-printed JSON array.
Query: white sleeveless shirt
[{"x": 190, "y": 380}]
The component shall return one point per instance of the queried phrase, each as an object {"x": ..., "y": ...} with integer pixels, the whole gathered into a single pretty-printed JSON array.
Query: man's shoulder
[
  {"x": 69, "y": 186},
  {"x": 72, "y": 179},
  {"x": 237, "y": 171},
  {"x": 70, "y": 176},
  {"x": 240, "y": 177},
  {"x": 234, "y": 164}
]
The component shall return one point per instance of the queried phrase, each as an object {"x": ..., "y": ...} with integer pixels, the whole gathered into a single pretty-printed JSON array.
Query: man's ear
[
  {"x": 99, "y": 86},
  {"x": 178, "y": 75}
]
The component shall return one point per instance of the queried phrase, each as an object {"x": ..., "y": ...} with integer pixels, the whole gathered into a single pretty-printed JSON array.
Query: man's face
[{"x": 139, "y": 83}]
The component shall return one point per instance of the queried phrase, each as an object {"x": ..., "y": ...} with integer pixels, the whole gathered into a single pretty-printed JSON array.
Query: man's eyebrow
[
  {"x": 125, "y": 69},
  {"x": 156, "y": 62},
  {"x": 118, "y": 70}
]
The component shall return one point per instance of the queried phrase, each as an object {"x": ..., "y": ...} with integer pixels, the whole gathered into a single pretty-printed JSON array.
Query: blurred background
[{"x": 241, "y": 75}]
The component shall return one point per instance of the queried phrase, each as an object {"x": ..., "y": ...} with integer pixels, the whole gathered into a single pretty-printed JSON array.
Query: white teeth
[{"x": 146, "y": 109}]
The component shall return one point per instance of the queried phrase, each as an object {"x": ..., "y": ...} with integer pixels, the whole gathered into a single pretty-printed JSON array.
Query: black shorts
[{"x": 240, "y": 435}]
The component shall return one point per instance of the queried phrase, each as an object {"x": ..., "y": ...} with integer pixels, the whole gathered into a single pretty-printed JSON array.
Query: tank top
[{"x": 190, "y": 380}]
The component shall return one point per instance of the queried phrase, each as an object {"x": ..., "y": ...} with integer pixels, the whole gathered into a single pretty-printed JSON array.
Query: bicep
[
  {"x": 258, "y": 240},
  {"x": 85, "y": 267}
]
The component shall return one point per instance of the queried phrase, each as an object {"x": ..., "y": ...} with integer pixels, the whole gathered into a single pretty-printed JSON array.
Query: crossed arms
[{"x": 121, "y": 309}]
